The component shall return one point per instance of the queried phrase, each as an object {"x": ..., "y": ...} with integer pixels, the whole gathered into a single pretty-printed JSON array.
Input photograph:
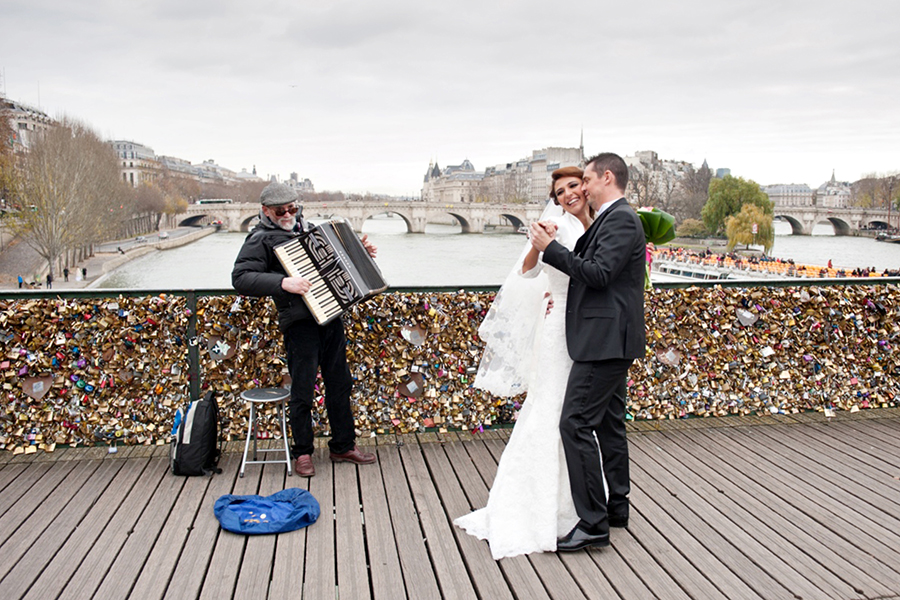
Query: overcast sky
[{"x": 361, "y": 95}]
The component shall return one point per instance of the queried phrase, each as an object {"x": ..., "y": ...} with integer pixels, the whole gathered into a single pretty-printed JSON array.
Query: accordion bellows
[{"x": 340, "y": 269}]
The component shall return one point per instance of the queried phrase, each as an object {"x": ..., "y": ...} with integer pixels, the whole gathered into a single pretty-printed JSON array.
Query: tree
[
  {"x": 740, "y": 228},
  {"x": 727, "y": 196},
  {"x": 68, "y": 188},
  {"x": 693, "y": 192},
  {"x": 691, "y": 228},
  {"x": 7, "y": 157}
]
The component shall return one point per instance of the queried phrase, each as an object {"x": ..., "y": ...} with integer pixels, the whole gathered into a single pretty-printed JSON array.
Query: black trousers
[
  {"x": 592, "y": 426},
  {"x": 310, "y": 346}
]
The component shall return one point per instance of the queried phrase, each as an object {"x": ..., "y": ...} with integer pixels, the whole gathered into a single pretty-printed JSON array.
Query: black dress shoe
[
  {"x": 578, "y": 539},
  {"x": 618, "y": 521}
]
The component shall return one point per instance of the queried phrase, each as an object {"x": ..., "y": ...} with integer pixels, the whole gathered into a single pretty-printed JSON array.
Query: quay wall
[{"x": 100, "y": 367}]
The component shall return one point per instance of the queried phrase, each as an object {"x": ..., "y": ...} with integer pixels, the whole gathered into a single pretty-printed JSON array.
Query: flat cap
[{"x": 276, "y": 194}]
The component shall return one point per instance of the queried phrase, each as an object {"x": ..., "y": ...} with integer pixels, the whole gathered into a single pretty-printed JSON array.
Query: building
[
  {"x": 791, "y": 194},
  {"x": 302, "y": 186},
  {"x": 138, "y": 163},
  {"x": 25, "y": 120},
  {"x": 833, "y": 194},
  {"x": 524, "y": 180}
]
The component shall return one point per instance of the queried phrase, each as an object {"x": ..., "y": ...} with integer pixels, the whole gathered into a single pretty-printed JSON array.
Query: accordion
[{"x": 333, "y": 259}]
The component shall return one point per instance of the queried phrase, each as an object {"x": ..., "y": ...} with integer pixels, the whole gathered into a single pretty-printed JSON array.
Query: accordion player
[{"x": 336, "y": 263}]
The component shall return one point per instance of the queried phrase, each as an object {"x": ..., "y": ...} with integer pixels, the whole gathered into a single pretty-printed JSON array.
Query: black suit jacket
[{"x": 605, "y": 306}]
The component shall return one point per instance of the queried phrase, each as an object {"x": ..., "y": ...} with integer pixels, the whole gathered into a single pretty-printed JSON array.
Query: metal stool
[{"x": 261, "y": 396}]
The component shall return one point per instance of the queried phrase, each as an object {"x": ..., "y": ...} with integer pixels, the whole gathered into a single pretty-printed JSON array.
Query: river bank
[{"x": 17, "y": 258}]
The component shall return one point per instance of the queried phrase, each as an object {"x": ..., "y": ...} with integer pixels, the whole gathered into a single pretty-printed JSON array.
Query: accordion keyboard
[{"x": 321, "y": 302}]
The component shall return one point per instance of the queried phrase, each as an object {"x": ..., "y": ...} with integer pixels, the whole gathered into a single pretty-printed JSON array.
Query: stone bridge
[
  {"x": 471, "y": 217},
  {"x": 844, "y": 220}
]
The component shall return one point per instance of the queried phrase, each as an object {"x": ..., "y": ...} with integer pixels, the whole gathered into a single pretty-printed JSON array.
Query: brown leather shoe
[
  {"x": 303, "y": 466},
  {"x": 355, "y": 456}
]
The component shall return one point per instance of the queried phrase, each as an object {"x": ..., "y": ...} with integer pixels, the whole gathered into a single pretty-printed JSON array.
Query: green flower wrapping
[{"x": 659, "y": 228}]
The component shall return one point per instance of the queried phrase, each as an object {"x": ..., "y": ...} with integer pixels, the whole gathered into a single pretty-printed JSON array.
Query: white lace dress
[{"x": 530, "y": 503}]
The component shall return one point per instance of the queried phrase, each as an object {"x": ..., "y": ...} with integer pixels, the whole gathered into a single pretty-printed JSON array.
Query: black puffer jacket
[{"x": 257, "y": 271}]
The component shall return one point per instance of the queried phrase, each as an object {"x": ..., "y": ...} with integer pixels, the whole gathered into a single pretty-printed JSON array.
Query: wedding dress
[{"x": 530, "y": 502}]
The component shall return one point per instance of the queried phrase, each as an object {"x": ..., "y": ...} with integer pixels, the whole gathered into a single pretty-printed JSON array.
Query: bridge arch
[
  {"x": 796, "y": 226},
  {"x": 406, "y": 219},
  {"x": 514, "y": 220}
]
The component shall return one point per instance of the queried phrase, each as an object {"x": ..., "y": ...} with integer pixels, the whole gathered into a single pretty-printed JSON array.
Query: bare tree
[
  {"x": 693, "y": 193},
  {"x": 67, "y": 191}
]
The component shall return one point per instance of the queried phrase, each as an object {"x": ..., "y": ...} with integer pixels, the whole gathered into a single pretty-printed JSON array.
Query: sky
[{"x": 361, "y": 95}]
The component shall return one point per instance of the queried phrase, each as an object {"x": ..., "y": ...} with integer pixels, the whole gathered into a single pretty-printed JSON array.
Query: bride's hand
[{"x": 549, "y": 303}]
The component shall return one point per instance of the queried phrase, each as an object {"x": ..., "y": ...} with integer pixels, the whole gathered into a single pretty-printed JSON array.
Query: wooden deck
[{"x": 754, "y": 508}]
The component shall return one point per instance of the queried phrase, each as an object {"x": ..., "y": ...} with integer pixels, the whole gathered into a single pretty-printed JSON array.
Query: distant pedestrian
[
  {"x": 66, "y": 274},
  {"x": 49, "y": 281},
  {"x": 84, "y": 272},
  {"x": 21, "y": 281}
]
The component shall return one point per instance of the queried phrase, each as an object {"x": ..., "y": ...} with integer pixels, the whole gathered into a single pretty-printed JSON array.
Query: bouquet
[{"x": 659, "y": 228}]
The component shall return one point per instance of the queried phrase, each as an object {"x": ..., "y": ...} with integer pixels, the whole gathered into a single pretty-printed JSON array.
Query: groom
[{"x": 604, "y": 334}]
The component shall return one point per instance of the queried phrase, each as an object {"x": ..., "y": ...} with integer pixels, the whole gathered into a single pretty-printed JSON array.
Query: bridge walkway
[{"x": 748, "y": 507}]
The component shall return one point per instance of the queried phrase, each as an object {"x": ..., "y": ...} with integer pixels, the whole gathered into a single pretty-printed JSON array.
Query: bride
[{"x": 530, "y": 503}]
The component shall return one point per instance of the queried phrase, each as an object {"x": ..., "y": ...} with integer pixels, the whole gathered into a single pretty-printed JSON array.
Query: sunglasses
[{"x": 281, "y": 210}]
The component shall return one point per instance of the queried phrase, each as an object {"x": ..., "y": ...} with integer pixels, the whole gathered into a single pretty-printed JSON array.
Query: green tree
[
  {"x": 726, "y": 198},
  {"x": 739, "y": 228}
]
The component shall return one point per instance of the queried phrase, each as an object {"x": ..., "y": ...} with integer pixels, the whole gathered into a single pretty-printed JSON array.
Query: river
[{"x": 444, "y": 257}]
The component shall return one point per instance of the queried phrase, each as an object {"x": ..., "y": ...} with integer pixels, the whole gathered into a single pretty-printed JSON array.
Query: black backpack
[{"x": 194, "y": 449}]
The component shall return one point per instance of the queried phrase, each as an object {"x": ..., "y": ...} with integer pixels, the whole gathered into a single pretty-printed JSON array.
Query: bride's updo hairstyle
[{"x": 559, "y": 174}]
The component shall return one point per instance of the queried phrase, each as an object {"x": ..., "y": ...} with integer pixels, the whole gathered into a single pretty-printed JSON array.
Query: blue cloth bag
[{"x": 286, "y": 510}]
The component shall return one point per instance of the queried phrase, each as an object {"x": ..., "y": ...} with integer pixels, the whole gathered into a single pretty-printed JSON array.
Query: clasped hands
[
  {"x": 301, "y": 285},
  {"x": 541, "y": 234}
]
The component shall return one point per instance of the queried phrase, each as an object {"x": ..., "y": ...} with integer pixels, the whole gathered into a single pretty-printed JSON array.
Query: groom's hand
[{"x": 541, "y": 234}]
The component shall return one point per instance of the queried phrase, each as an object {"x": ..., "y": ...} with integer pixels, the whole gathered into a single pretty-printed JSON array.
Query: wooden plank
[
  {"x": 32, "y": 546},
  {"x": 591, "y": 581},
  {"x": 836, "y": 488},
  {"x": 28, "y": 502},
  {"x": 384, "y": 555},
  {"x": 352, "y": 576},
  {"x": 290, "y": 551},
  {"x": 849, "y": 442},
  {"x": 24, "y": 482},
  {"x": 684, "y": 574},
  {"x": 486, "y": 575},
  {"x": 844, "y": 560},
  {"x": 657, "y": 509},
  {"x": 874, "y": 469},
  {"x": 777, "y": 554},
  {"x": 555, "y": 581},
  {"x": 791, "y": 491},
  {"x": 160, "y": 565},
  {"x": 225, "y": 564},
  {"x": 18, "y": 543},
  {"x": 259, "y": 556},
  {"x": 446, "y": 560},
  {"x": 123, "y": 575},
  {"x": 877, "y": 432},
  {"x": 64, "y": 562},
  {"x": 9, "y": 474},
  {"x": 407, "y": 530},
  {"x": 96, "y": 563},
  {"x": 644, "y": 565},
  {"x": 194, "y": 560},
  {"x": 319, "y": 573}
]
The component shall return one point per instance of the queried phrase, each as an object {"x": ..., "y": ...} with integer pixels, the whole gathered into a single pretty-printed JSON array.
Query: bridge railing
[{"x": 91, "y": 366}]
